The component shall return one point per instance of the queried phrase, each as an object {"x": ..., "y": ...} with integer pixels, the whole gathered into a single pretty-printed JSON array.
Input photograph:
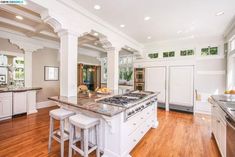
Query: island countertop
[
  {"x": 18, "y": 89},
  {"x": 85, "y": 102}
]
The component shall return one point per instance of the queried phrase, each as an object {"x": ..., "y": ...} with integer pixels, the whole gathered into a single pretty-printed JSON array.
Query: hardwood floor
[{"x": 178, "y": 135}]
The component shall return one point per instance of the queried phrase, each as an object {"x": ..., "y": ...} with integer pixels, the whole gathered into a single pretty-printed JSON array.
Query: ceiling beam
[
  {"x": 30, "y": 31},
  {"x": 16, "y": 11}
]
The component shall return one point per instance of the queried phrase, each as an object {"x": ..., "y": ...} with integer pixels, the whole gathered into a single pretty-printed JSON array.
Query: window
[
  {"x": 209, "y": 51},
  {"x": 186, "y": 52},
  {"x": 125, "y": 69},
  {"x": 153, "y": 55},
  {"x": 18, "y": 74},
  {"x": 169, "y": 54}
]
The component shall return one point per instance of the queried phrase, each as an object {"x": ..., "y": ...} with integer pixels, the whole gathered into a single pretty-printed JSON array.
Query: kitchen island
[{"x": 125, "y": 119}]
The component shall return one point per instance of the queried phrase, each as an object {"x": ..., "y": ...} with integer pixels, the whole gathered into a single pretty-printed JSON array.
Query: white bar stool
[
  {"x": 60, "y": 135},
  {"x": 84, "y": 123}
]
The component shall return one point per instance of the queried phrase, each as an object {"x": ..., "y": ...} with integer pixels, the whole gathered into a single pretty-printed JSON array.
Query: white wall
[
  {"x": 210, "y": 72},
  {"x": 41, "y": 58}
]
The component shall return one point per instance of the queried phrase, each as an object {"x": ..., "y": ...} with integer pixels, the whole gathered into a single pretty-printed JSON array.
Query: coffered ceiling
[
  {"x": 30, "y": 24},
  {"x": 159, "y": 20}
]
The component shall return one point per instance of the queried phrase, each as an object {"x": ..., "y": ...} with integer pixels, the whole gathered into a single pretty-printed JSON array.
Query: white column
[
  {"x": 113, "y": 68},
  {"x": 68, "y": 63},
  {"x": 28, "y": 68}
]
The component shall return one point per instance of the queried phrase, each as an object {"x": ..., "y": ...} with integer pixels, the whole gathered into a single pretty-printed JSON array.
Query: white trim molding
[{"x": 45, "y": 104}]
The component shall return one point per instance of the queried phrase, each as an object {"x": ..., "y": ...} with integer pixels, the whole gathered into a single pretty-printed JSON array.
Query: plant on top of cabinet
[
  {"x": 186, "y": 52},
  {"x": 165, "y": 54},
  {"x": 153, "y": 55},
  {"x": 209, "y": 51}
]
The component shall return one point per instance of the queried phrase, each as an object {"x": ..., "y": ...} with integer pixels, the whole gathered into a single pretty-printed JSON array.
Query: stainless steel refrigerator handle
[{"x": 226, "y": 118}]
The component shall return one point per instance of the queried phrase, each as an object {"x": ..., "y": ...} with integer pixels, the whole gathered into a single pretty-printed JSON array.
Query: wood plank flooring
[{"x": 178, "y": 135}]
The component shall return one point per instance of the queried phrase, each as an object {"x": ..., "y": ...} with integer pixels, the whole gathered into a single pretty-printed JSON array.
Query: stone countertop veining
[
  {"x": 85, "y": 102},
  {"x": 227, "y": 103},
  {"x": 18, "y": 89}
]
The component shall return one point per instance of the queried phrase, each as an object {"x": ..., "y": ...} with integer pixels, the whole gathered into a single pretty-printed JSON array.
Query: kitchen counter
[
  {"x": 85, "y": 102},
  {"x": 227, "y": 103},
  {"x": 18, "y": 89}
]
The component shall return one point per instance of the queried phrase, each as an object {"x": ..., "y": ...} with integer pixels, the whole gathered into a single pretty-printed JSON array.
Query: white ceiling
[{"x": 170, "y": 19}]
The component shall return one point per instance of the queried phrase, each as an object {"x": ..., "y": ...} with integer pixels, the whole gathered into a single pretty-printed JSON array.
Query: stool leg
[
  {"x": 71, "y": 134},
  {"x": 62, "y": 138},
  {"x": 85, "y": 138},
  {"x": 50, "y": 133},
  {"x": 82, "y": 141},
  {"x": 97, "y": 141}
]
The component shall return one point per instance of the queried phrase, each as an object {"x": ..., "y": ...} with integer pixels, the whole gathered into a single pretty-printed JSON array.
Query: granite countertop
[
  {"x": 85, "y": 102},
  {"x": 227, "y": 103},
  {"x": 18, "y": 89}
]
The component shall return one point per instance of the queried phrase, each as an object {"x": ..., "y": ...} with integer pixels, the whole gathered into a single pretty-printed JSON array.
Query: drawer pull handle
[
  {"x": 142, "y": 132},
  {"x": 134, "y": 140},
  {"x": 134, "y": 123},
  {"x": 141, "y": 118},
  {"x": 147, "y": 113}
]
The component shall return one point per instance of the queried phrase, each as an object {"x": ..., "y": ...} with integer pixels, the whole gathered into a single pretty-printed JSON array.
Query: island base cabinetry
[
  {"x": 118, "y": 134},
  {"x": 5, "y": 105}
]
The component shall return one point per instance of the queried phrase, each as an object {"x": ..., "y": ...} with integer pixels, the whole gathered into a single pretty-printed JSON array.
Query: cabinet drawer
[
  {"x": 134, "y": 122},
  {"x": 137, "y": 135},
  {"x": 5, "y": 95}
]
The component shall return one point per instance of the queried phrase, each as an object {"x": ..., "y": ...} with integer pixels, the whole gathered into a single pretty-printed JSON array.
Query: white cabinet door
[
  {"x": 5, "y": 105},
  {"x": 156, "y": 81},
  {"x": 19, "y": 103},
  {"x": 223, "y": 138},
  {"x": 181, "y": 85}
]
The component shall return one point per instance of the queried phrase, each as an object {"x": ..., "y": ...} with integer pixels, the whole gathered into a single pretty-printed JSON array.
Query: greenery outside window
[
  {"x": 186, "y": 52},
  {"x": 209, "y": 51},
  {"x": 153, "y": 55},
  {"x": 169, "y": 54}
]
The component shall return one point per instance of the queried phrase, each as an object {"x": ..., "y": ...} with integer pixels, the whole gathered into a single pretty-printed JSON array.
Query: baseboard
[{"x": 45, "y": 104}]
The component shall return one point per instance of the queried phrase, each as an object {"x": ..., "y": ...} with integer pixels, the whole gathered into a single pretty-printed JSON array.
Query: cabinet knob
[
  {"x": 141, "y": 118},
  {"x": 134, "y": 123},
  {"x": 134, "y": 140},
  {"x": 218, "y": 121}
]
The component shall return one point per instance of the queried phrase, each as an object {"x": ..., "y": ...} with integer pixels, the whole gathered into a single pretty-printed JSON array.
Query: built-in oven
[
  {"x": 139, "y": 75},
  {"x": 230, "y": 137},
  {"x": 139, "y": 86}
]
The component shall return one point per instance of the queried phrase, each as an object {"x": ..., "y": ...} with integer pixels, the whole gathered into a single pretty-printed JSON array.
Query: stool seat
[
  {"x": 83, "y": 122},
  {"x": 60, "y": 113}
]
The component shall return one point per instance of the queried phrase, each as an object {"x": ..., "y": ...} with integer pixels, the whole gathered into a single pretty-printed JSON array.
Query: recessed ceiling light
[
  {"x": 219, "y": 13},
  {"x": 129, "y": 48},
  {"x": 147, "y": 18},
  {"x": 19, "y": 17},
  {"x": 96, "y": 34},
  {"x": 149, "y": 37},
  {"x": 122, "y": 25},
  {"x": 97, "y": 7}
]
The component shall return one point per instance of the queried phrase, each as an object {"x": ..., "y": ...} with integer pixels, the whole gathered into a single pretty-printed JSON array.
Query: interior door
[
  {"x": 156, "y": 81},
  {"x": 181, "y": 85}
]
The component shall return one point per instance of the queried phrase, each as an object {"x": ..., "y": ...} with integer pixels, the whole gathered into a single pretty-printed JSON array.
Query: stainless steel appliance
[
  {"x": 139, "y": 83},
  {"x": 230, "y": 137}
]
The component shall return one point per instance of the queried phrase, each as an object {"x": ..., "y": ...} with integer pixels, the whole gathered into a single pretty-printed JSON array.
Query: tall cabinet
[{"x": 175, "y": 84}]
